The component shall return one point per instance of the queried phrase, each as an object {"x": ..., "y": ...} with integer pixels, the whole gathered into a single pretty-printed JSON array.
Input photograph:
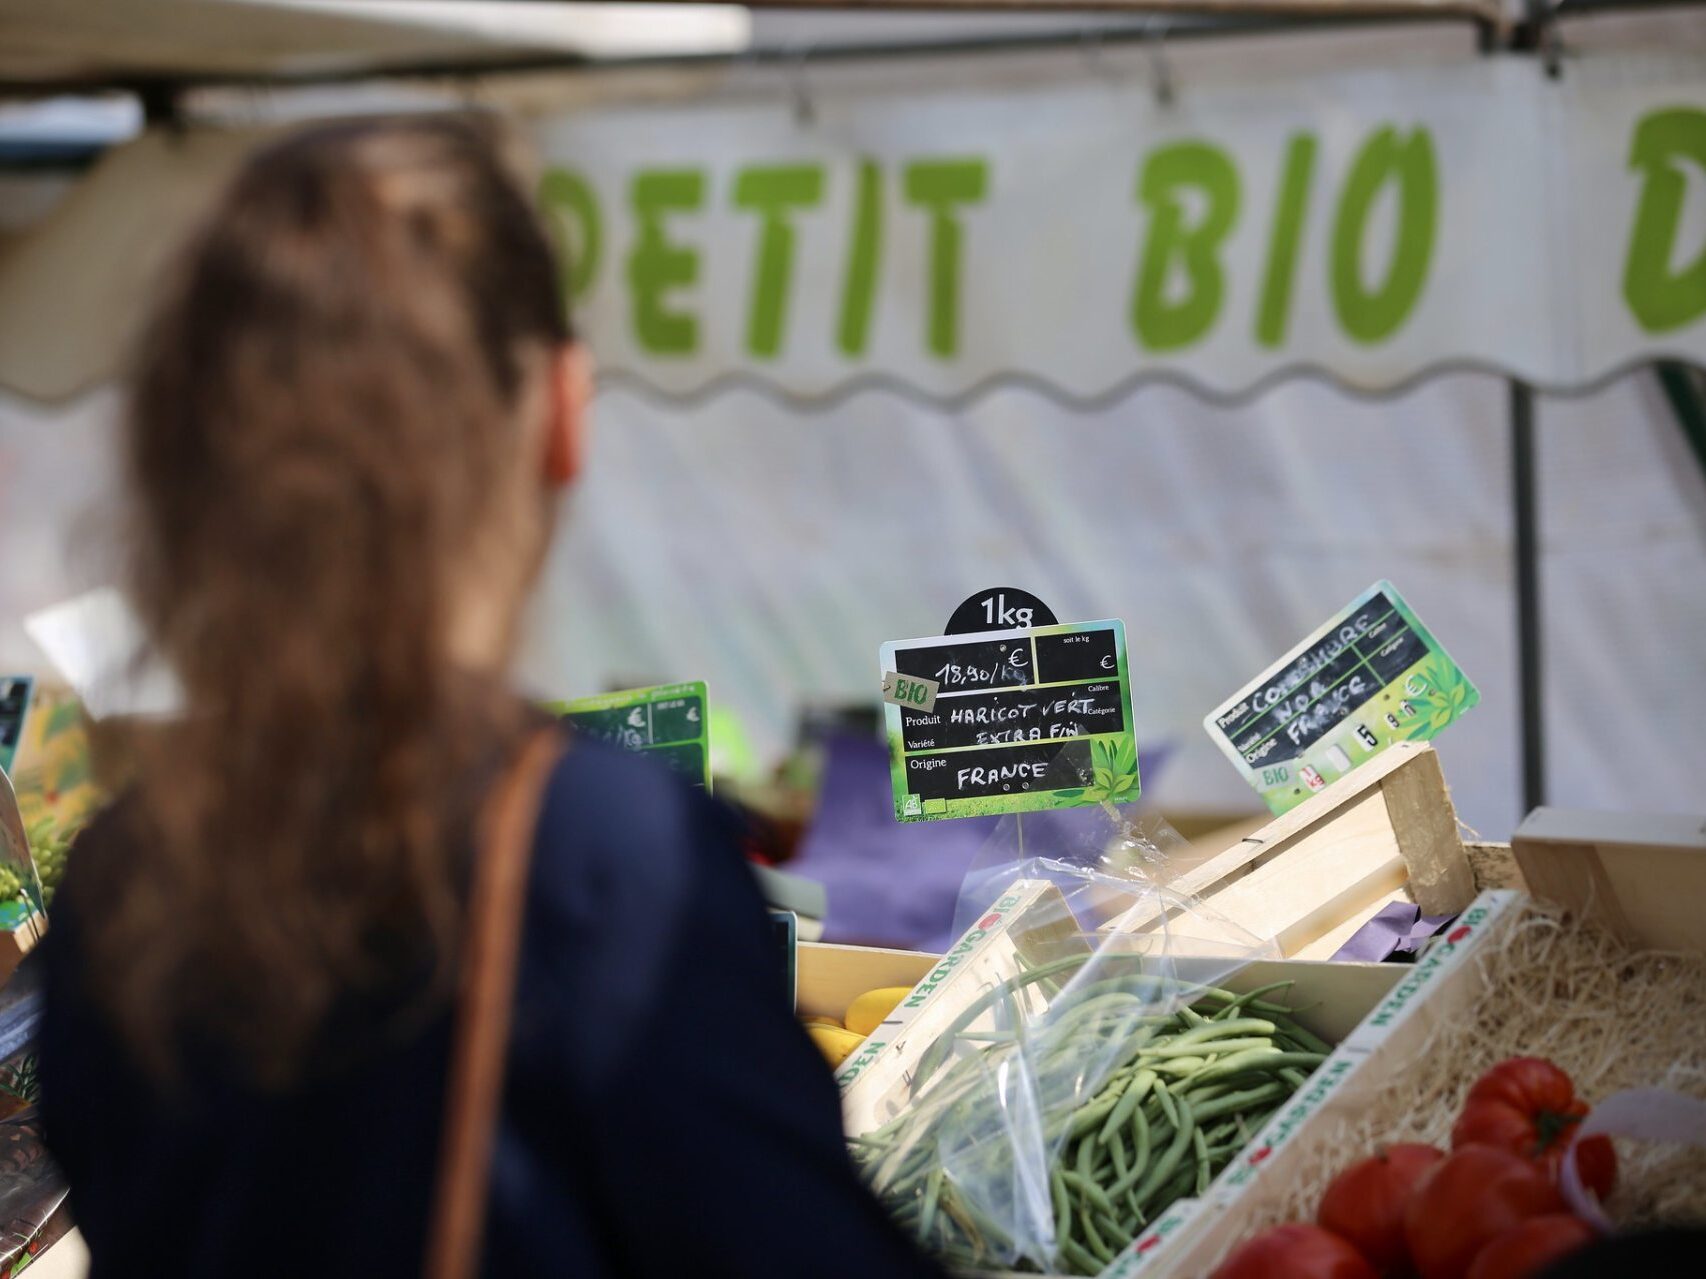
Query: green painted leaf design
[{"x": 1125, "y": 756}]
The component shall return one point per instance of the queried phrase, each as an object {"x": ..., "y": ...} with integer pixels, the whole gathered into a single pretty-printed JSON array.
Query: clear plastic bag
[{"x": 1074, "y": 962}]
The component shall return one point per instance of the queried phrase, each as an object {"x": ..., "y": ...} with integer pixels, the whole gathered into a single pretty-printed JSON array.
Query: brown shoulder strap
[{"x": 484, "y": 1004}]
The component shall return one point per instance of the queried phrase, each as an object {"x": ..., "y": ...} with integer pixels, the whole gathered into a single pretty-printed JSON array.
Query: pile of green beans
[{"x": 1180, "y": 1093}]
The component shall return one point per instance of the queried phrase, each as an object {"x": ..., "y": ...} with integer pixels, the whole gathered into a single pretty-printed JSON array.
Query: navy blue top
[{"x": 664, "y": 1113}]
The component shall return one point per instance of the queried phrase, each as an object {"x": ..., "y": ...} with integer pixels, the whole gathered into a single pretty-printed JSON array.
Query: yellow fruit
[
  {"x": 834, "y": 1042},
  {"x": 868, "y": 1011},
  {"x": 816, "y": 1020}
]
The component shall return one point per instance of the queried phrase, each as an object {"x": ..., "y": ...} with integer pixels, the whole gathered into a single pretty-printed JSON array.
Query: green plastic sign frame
[
  {"x": 1023, "y": 720},
  {"x": 670, "y": 722}
]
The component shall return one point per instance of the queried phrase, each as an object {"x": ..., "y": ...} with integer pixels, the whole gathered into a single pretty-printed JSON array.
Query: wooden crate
[
  {"x": 1641, "y": 875},
  {"x": 1310, "y": 878}
]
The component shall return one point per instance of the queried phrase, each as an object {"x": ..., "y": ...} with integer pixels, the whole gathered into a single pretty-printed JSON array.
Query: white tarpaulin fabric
[{"x": 1081, "y": 237}]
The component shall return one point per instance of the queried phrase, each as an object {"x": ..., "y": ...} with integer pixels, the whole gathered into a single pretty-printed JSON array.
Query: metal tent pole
[{"x": 1527, "y": 548}]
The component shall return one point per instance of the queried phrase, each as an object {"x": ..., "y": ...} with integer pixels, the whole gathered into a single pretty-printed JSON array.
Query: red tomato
[
  {"x": 1525, "y": 1105},
  {"x": 1527, "y": 1083},
  {"x": 1529, "y": 1107},
  {"x": 1474, "y": 1195},
  {"x": 1365, "y": 1203},
  {"x": 1526, "y": 1250},
  {"x": 1596, "y": 1161},
  {"x": 1295, "y": 1251}
]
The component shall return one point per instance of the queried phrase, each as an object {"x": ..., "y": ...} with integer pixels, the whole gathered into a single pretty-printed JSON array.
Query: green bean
[
  {"x": 1087, "y": 1187},
  {"x": 931, "y": 1060},
  {"x": 1086, "y": 1151},
  {"x": 1062, "y": 1204},
  {"x": 1293, "y": 1076},
  {"x": 932, "y": 1193},
  {"x": 1180, "y": 1184},
  {"x": 1093, "y": 1238},
  {"x": 1212, "y": 1046},
  {"x": 1253, "y": 996},
  {"x": 1193, "y": 1016},
  {"x": 1225, "y": 1130},
  {"x": 1076, "y": 1254},
  {"x": 1222, "y": 1029},
  {"x": 1239, "y": 1100},
  {"x": 1169, "y": 1107},
  {"x": 1254, "y": 1061},
  {"x": 1140, "y": 1136},
  {"x": 1115, "y": 1232},
  {"x": 1286, "y": 1026},
  {"x": 1087, "y": 1117},
  {"x": 1136, "y": 1210},
  {"x": 1169, "y": 1161},
  {"x": 1122, "y": 1160},
  {"x": 1134, "y": 1093},
  {"x": 1179, "y": 1067},
  {"x": 1201, "y": 1145}
]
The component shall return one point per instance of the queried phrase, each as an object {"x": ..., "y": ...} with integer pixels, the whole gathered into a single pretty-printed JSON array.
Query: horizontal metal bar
[{"x": 1173, "y": 26}]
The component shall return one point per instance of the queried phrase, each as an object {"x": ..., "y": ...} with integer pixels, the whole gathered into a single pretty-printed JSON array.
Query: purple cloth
[
  {"x": 1399, "y": 929},
  {"x": 889, "y": 883}
]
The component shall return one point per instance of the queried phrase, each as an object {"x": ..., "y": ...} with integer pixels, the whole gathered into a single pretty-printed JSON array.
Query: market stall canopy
[
  {"x": 59, "y": 42},
  {"x": 71, "y": 289}
]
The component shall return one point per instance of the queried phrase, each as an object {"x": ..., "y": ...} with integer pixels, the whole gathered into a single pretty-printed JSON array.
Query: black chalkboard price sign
[
  {"x": 14, "y": 705},
  {"x": 1372, "y": 675},
  {"x": 1024, "y": 719}
]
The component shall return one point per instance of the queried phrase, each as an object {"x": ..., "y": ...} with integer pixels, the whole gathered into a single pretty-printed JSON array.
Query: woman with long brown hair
[{"x": 350, "y": 418}]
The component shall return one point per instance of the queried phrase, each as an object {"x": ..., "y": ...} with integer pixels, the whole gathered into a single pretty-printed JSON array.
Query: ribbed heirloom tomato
[
  {"x": 1467, "y": 1201},
  {"x": 1365, "y": 1203},
  {"x": 1529, "y": 1107},
  {"x": 1295, "y": 1251}
]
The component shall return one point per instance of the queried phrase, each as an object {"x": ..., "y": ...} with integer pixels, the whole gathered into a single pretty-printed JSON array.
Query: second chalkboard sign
[
  {"x": 1023, "y": 719},
  {"x": 670, "y": 723},
  {"x": 1371, "y": 676}
]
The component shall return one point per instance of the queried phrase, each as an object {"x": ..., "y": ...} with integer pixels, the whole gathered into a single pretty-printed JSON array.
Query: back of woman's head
[{"x": 330, "y": 460}]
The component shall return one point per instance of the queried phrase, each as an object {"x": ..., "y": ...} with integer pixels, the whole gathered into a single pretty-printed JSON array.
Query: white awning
[{"x": 58, "y": 41}]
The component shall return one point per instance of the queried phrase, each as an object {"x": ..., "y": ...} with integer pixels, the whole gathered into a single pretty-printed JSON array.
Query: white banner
[{"x": 1080, "y": 237}]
